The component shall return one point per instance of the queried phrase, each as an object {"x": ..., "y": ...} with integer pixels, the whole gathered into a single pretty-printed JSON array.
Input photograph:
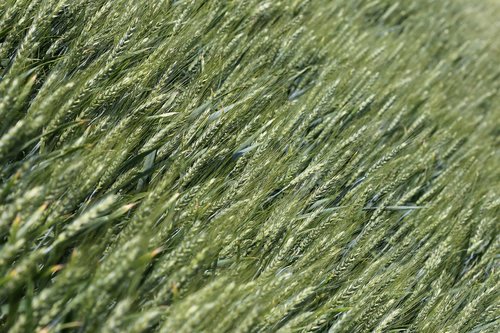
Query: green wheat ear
[{"x": 249, "y": 166}]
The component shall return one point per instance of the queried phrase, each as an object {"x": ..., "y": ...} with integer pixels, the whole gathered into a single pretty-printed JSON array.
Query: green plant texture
[{"x": 249, "y": 166}]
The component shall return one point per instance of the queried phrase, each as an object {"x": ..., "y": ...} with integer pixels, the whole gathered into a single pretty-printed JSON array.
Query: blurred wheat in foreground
[{"x": 249, "y": 166}]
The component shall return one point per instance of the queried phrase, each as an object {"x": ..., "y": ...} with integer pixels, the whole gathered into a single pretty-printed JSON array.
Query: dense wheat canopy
[{"x": 249, "y": 166}]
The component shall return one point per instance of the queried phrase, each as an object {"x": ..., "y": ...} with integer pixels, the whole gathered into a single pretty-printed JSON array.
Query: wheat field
[{"x": 249, "y": 166}]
